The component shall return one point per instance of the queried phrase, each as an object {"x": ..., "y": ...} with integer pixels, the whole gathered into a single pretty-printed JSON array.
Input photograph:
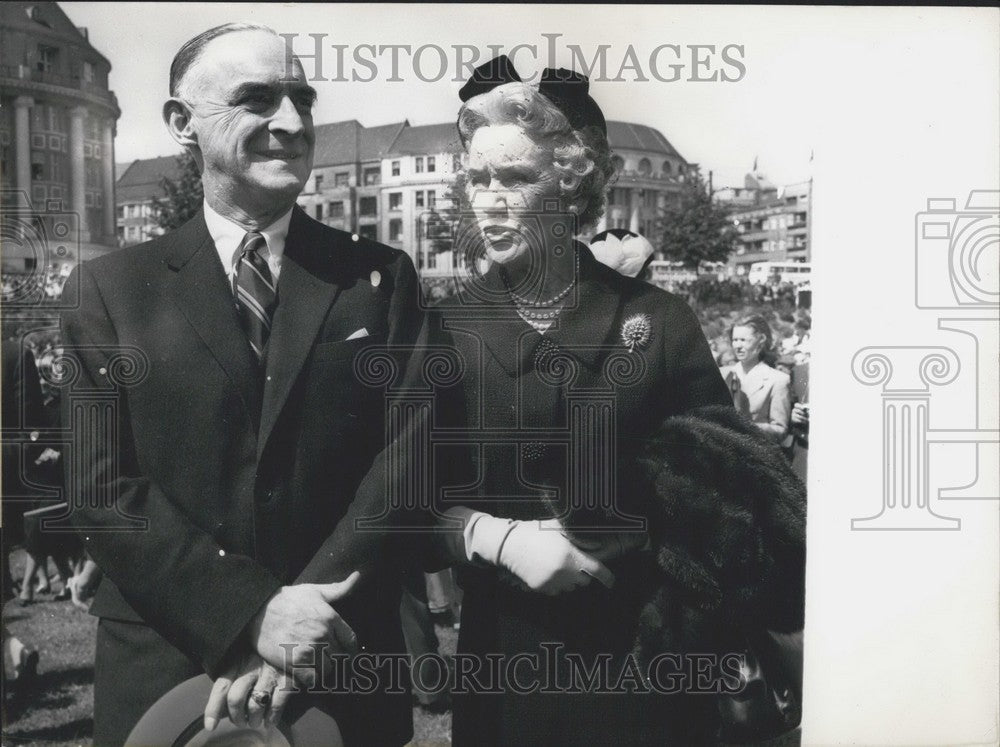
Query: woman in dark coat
[{"x": 576, "y": 398}]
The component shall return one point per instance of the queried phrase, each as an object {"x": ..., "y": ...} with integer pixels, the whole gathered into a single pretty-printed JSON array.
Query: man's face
[
  {"x": 252, "y": 116},
  {"x": 510, "y": 177}
]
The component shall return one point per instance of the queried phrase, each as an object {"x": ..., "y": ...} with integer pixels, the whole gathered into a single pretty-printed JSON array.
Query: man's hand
[
  {"x": 545, "y": 560},
  {"x": 800, "y": 415},
  {"x": 239, "y": 693},
  {"x": 303, "y": 615}
]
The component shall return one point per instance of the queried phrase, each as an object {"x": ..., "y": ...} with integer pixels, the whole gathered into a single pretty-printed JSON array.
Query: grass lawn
[{"x": 60, "y": 711}]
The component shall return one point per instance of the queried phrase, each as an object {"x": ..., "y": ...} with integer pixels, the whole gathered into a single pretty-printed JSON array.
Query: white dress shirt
[{"x": 228, "y": 236}]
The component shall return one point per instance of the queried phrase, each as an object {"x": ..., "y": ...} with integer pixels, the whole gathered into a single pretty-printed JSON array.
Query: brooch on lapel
[{"x": 635, "y": 331}]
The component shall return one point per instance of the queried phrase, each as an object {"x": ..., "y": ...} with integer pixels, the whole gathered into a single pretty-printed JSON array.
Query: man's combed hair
[
  {"x": 188, "y": 54},
  {"x": 581, "y": 157}
]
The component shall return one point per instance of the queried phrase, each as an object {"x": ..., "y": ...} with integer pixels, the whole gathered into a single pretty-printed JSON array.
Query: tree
[
  {"x": 182, "y": 195},
  {"x": 694, "y": 228}
]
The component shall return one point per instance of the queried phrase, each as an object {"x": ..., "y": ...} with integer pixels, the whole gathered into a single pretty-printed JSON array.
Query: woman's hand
[
  {"x": 540, "y": 555},
  {"x": 251, "y": 692},
  {"x": 611, "y": 545}
]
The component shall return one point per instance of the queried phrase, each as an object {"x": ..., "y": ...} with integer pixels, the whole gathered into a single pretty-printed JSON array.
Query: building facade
[
  {"x": 391, "y": 183},
  {"x": 139, "y": 185},
  {"x": 57, "y": 131},
  {"x": 650, "y": 173},
  {"x": 773, "y": 223}
]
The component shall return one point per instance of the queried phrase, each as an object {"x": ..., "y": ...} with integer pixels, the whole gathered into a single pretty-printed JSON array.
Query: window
[
  {"x": 37, "y": 165},
  {"x": 395, "y": 168},
  {"x": 48, "y": 58},
  {"x": 88, "y": 72},
  {"x": 618, "y": 163},
  {"x": 419, "y": 164},
  {"x": 368, "y": 206},
  {"x": 121, "y": 211},
  {"x": 341, "y": 179},
  {"x": 395, "y": 200},
  {"x": 368, "y": 232},
  {"x": 335, "y": 209},
  {"x": 372, "y": 176},
  {"x": 318, "y": 186},
  {"x": 645, "y": 167},
  {"x": 319, "y": 210},
  {"x": 430, "y": 163},
  {"x": 431, "y": 198},
  {"x": 420, "y": 198},
  {"x": 667, "y": 168},
  {"x": 396, "y": 230}
]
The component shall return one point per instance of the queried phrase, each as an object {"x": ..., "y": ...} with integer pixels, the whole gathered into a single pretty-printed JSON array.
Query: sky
[{"x": 765, "y": 111}]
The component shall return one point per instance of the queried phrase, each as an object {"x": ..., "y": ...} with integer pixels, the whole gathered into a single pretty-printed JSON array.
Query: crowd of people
[{"x": 38, "y": 286}]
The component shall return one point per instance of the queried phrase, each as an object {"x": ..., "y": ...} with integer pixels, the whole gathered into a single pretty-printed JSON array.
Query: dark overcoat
[
  {"x": 553, "y": 425},
  {"x": 211, "y": 483}
]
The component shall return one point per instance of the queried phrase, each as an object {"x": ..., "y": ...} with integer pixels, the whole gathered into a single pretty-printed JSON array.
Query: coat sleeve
[
  {"x": 170, "y": 571},
  {"x": 349, "y": 548},
  {"x": 779, "y": 415}
]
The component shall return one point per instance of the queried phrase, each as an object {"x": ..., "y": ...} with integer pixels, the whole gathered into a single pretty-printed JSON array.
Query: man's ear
[{"x": 177, "y": 117}]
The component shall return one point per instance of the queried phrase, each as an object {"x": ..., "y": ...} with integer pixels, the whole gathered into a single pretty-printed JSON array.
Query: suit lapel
[
  {"x": 307, "y": 287},
  {"x": 200, "y": 290},
  {"x": 759, "y": 377}
]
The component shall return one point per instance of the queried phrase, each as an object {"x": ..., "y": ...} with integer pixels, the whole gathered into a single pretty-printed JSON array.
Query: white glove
[
  {"x": 537, "y": 553},
  {"x": 544, "y": 559}
]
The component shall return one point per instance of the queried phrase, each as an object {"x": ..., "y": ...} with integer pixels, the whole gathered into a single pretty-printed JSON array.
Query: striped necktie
[{"x": 255, "y": 291}]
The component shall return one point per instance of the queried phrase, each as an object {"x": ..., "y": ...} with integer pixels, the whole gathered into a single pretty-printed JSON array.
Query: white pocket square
[{"x": 363, "y": 332}]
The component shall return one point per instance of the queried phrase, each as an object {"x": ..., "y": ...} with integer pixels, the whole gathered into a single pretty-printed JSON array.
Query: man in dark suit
[{"x": 243, "y": 446}]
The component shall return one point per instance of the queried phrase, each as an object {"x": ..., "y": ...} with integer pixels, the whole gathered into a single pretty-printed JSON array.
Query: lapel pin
[
  {"x": 636, "y": 330},
  {"x": 376, "y": 278}
]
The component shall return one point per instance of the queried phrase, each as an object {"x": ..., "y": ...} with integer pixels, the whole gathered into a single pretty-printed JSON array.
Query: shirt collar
[
  {"x": 760, "y": 369},
  {"x": 228, "y": 236}
]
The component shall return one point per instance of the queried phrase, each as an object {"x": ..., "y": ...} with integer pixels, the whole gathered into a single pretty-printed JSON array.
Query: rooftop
[
  {"x": 350, "y": 141},
  {"x": 140, "y": 181},
  {"x": 638, "y": 137}
]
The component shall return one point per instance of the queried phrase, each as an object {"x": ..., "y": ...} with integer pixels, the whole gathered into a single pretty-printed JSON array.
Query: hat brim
[{"x": 176, "y": 720}]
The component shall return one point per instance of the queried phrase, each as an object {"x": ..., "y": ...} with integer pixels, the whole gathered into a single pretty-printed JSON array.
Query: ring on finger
[{"x": 261, "y": 698}]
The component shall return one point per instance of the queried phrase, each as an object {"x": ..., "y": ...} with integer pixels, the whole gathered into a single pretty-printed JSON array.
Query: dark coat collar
[{"x": 583, "y": 329}]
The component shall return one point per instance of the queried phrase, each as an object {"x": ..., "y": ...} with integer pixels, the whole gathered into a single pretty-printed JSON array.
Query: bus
[{"x": 786, "y": 272}]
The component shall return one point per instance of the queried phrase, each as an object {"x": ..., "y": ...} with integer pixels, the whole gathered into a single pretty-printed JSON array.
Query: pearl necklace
[{"x": 526, "y": 304}]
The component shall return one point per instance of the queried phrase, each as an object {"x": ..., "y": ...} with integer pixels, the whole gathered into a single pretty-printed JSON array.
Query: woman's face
[
  {"x": 746, "y": 344},
  {"x": 510, "y": 178}
]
